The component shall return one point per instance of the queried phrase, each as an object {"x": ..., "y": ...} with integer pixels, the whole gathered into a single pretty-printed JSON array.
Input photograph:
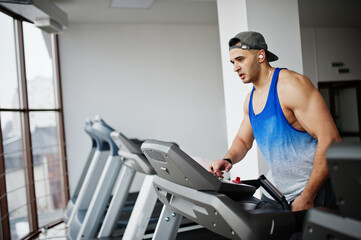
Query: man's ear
[{"x": 261, "y": 55}]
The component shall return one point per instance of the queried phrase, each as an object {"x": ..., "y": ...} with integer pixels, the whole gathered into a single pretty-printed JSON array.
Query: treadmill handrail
[{"x": 274, "y": 192}]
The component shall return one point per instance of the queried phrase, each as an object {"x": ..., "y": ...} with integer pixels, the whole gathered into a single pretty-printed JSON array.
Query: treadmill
[
  {"x": 93, "y": 173},
  {"x": 344, "y": 164},
  {"x": 88, "y": 129},
  {"x": 104, "y": 195},
  {"x": 100, "y": 179},
  {"x": 132, "y": 220},
  {"x": 133, "y": 161},
  {"x": 226, "y": 208}
]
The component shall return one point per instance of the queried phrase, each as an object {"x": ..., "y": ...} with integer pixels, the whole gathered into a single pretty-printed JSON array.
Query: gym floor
[{"x": 59, "y": 232}]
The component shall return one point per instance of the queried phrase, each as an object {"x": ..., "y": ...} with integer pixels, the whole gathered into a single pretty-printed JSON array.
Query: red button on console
[{"x": 237, "y": 180}]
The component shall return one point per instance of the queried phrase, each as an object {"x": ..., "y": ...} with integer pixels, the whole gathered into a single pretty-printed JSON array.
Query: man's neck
[{"x": 264, "y": 78}]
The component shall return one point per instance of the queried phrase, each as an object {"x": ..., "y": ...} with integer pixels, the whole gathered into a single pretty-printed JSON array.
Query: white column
[
  {"x": 232, "y": 19},
  {"x": 278, "y": 21}
]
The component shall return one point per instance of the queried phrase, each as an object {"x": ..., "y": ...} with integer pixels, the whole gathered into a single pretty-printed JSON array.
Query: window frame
[{"x": 24, "y": 111}]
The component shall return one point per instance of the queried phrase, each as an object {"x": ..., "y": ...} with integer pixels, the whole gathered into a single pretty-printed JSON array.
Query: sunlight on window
[
  {"x": 38, "y": 62},
  {"x": 9, "y": 96}
]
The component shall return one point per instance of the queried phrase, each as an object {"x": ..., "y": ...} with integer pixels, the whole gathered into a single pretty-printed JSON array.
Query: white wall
[
  {"x": 147, "y": 81},
  {"x": 322, "y": 46},
  {"x": 309, "y": 57},
  {"x": 278, "y": 21}
]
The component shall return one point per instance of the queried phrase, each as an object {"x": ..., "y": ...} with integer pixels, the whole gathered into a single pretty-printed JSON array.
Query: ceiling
[
  {"x": 161, "y": 11},
  {"x": 330, "y": 13},
  {"x": 316, "y": 13}
]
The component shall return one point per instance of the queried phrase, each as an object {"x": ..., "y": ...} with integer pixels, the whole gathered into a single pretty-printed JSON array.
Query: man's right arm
[{"x": 240, "y": 145}]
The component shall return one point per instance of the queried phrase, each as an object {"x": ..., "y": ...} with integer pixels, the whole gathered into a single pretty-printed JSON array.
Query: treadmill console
[
  {"x": 133, "y": 156},
  {"x": 171, "y": 163}
]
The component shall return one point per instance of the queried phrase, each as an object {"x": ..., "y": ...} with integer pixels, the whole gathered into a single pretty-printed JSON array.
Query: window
[{"x": 33, "y": 182}]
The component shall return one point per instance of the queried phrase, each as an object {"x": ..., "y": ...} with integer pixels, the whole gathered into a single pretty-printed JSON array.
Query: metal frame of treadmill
[
  {"x": 69, "y": 208},
  {"x": 134, "y": 160},
  {"x": 95, "y": 195},
  {"x": 185, "y": 187}
]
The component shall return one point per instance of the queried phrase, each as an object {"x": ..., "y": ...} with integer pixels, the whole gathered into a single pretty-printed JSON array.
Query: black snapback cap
[{"x": 251, "y": 40}]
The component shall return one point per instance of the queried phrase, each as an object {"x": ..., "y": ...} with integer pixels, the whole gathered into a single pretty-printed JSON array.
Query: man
[{"x": 290, "y": 121}]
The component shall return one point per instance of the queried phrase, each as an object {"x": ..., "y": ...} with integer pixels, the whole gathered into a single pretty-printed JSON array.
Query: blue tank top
[{"x": 287, "y": 151}]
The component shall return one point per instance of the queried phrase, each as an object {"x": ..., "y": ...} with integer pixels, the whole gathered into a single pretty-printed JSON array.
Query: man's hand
[
  {"x": 219, "y": 165},
  {"x": 302, "y": 203}
]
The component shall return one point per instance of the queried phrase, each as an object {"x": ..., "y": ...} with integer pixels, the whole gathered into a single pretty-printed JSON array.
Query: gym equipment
[
  {"x": 104, "y": 206},
  {"x": 88, "y": 129},
  {"x": 94, "y": 171},
  {"x": 141, "y": 219},
  {"x": 97, "y": 187},
  {"x": 344, "y": 164},
  {"x": 229, "y": 209},
  {"x": 134, "y": 161}
]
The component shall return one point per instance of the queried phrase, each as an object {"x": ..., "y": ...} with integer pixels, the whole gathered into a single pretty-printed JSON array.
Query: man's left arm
[
  {"x": 312, "y": 113},
  {"x": 317, "y": 178}
]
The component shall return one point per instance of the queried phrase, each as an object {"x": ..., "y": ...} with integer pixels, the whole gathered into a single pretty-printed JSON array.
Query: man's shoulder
[
  {"x": 290, "y": 77},
  {"x": 294, "y": 89},
  {"x": 289, "y": 80}
]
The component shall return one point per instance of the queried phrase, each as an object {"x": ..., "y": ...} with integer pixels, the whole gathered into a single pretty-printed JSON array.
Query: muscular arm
[
  {"x": 241, "y": 144},
  {"x": 244, "y": 139},
  {"x": 310, "y": 111}
]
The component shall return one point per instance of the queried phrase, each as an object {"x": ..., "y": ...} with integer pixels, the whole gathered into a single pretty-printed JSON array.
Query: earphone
[{"x": 260, "y": 56}]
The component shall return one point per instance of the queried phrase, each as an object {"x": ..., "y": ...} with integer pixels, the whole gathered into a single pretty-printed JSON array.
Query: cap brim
[{"x": 271, "y": 57}]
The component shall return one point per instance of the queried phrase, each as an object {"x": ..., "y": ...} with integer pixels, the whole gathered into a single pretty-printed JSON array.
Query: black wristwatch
[{"x": 228, "y": 160}]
